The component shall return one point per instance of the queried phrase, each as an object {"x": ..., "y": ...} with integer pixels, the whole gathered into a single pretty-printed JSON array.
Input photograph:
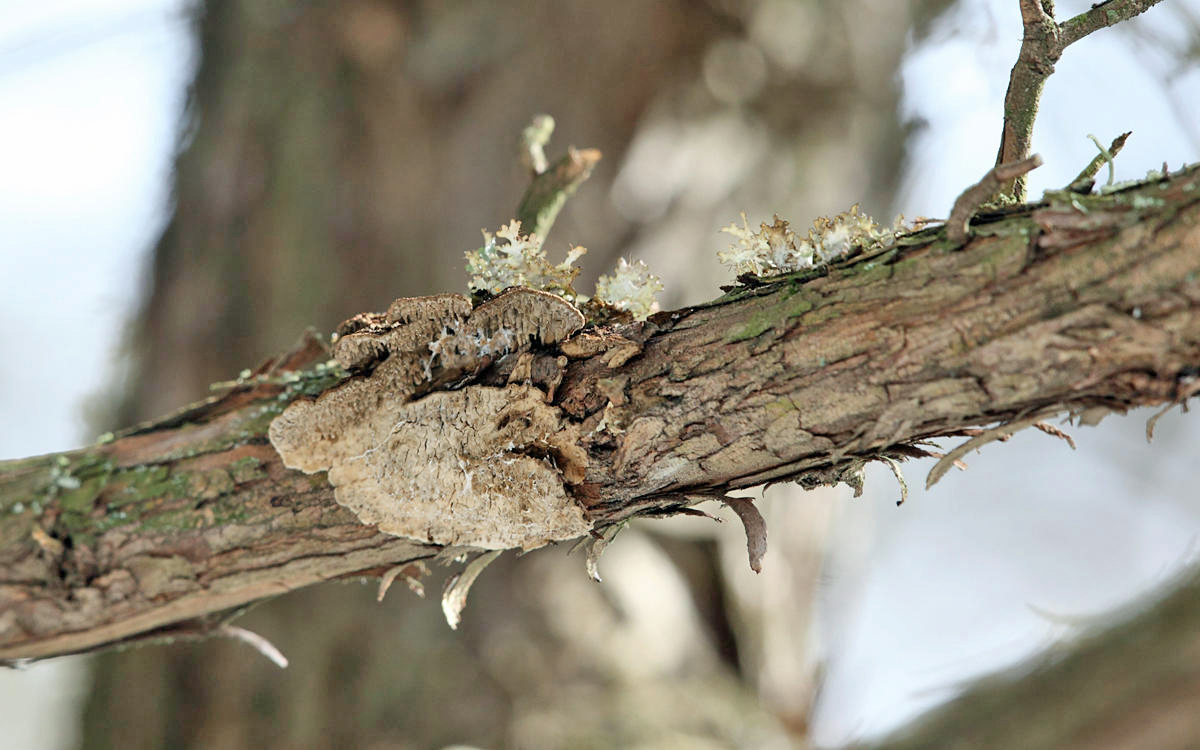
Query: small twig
[
  {"x": 1102, "y": 15},
  {"x": 1041, "y": 47},
  {"x": 255, "y": 641},
  {"x": 1107, "y": 156},
  {"x": 957, "y": 226},
  {"x": 549, "y": 190},
  {"x": 1084, "y": 180}
]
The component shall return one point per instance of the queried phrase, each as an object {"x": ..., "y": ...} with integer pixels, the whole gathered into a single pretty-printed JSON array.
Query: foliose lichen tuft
[
  {"x": 631, "y": 288},
  {"x": 509, "y": 258},
  {"x": 774, "y": 248}
]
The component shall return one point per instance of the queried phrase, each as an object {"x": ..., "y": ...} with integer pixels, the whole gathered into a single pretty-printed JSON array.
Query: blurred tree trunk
[{"x": 340, "y": 155}]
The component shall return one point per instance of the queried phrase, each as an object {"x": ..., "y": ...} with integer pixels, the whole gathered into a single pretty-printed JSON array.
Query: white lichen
[
  {"x": 770, "y": 250},
  {"x": 774, "y": 248},
  {"x": 509, "y": 258},
  {"x": 631, "y": 287}
]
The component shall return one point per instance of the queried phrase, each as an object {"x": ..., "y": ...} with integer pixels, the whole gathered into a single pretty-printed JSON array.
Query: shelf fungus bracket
[{"x": 477, "y": 466}]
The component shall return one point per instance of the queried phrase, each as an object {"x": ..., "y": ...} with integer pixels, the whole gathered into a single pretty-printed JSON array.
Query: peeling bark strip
[{"x": 1078, "y": 305}]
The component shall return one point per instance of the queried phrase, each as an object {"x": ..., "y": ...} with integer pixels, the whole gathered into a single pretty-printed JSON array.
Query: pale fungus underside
[{"x": 481, "y": 467}]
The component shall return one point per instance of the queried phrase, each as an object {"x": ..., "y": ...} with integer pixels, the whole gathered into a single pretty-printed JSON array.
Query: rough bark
[{"x": 1080, "y": 305}]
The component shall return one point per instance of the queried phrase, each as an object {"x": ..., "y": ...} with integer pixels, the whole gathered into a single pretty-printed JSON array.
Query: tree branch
[
  {"x": 969, "y": 201},
  {"x": 1041, "y": 47},
  {"x": 1079, "y": 305},
  {"x": 1100, "y": 16},
  {"x": 1086, "y": 179}
]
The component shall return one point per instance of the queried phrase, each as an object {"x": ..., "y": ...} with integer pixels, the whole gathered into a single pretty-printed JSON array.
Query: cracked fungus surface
[{"x": 481, "y": 467}]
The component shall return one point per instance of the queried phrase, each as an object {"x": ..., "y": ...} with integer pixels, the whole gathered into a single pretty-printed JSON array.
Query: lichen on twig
[
  {"x": 773, "y": 248},
  {"x": 514, "y": 255},
  {"x": 534, "y": 138},
  {"x": 1086, "y": 178}
]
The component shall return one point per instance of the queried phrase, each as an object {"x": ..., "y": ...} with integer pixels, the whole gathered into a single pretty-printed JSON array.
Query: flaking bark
[{"x": 1078, "y": 305}]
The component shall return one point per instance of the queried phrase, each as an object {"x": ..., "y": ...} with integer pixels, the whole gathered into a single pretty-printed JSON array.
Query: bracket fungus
[{"x": 480, "y": 466}]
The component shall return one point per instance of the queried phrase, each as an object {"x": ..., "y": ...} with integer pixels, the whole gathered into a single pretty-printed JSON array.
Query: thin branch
[
  {"x": 1041, "y": 47},
  {"x": 1102, "y": 15},
  {"x": 1040, "y": 50},
  {"x": 549, "y": 190},
  {"x": 958, "y": 225}
]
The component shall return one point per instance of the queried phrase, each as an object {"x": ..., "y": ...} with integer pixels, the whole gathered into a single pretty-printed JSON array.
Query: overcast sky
[{"x": 90, "y": 95}]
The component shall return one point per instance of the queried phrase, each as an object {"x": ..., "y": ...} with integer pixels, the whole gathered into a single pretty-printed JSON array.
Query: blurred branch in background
[{"x": 1128, "y": 685}]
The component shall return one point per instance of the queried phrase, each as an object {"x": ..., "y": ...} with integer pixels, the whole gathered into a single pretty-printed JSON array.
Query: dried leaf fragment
[
  {"x": 412, "y": 573},
  {"x": 595, "y": 548},
  {"x": 894, "y": 465},
  {"x": 1053, "y": 431},
  {"x": 756, "y": 528},
  {"x": 256, "y": 642},
  {"x": 998, "y": 433},
  {"x": 454, "y": 596}
]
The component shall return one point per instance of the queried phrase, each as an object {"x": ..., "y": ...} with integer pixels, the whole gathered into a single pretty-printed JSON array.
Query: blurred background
[{"x": 187, "y": 185}]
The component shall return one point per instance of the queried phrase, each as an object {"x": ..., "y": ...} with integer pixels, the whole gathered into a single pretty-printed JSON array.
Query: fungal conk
[{"x": 480, "y": 466}]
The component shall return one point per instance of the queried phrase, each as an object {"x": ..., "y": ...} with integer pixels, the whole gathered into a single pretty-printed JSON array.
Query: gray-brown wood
[{"x": 1079, "y": 304}]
